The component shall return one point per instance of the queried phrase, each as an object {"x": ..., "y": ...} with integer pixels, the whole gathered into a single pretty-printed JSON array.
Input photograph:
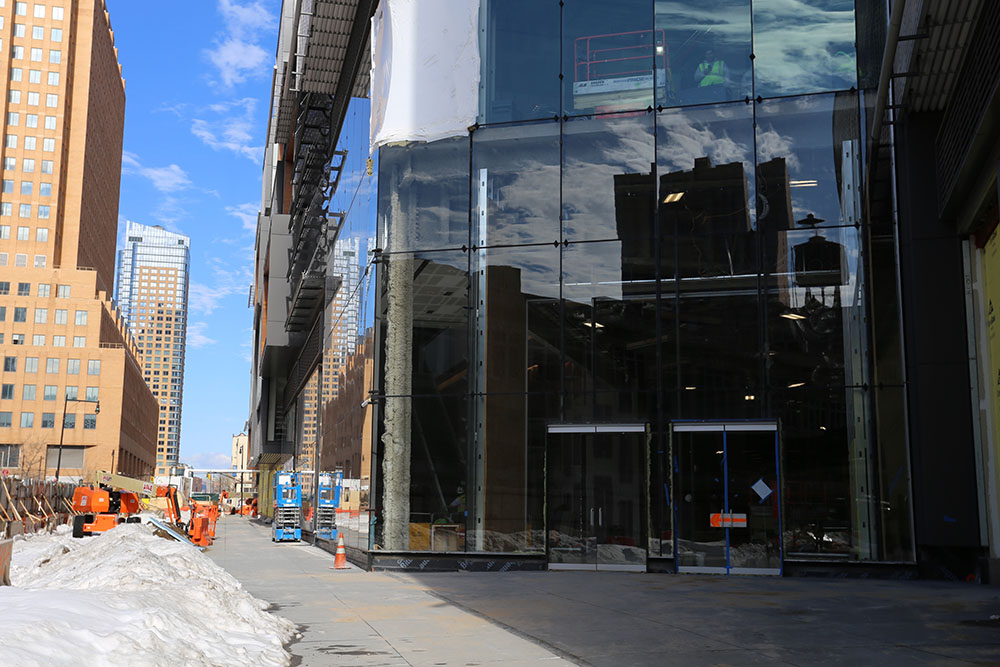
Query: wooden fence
[{"x": 30, "y": 505}]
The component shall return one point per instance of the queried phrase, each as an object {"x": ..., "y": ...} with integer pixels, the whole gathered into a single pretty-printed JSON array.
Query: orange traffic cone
[{"x": 340, "y": 558}]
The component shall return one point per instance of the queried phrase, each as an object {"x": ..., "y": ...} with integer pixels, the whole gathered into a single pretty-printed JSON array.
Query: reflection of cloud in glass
[
  {"x": 685, "y": 141},
  {"x": 771, "y": 144},
  {"x": 803, "y": 46}
]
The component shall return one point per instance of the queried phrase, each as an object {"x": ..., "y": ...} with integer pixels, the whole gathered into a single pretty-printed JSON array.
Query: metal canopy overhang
[{"x": 320, "y": 53}]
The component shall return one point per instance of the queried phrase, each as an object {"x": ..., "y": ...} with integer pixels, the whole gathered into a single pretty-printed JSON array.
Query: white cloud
[
  {"x": 196, "y": 336},
  {"x": 212, "y": 460},
  {"x": 229, "y": 281},
  {"x": 232, "y": 130},
  {"x": 165, "y": 179},
  {"x": 237, "y": 54},
  {"x": 247, "y": 214}
]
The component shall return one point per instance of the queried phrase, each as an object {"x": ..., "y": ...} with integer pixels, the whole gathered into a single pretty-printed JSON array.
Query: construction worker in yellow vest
[{"x": 710, "y": 72}]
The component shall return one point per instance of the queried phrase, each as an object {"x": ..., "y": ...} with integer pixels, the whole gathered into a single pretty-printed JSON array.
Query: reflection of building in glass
[
  {"x": 152, "y": 293},
  {"x": 648, "y": 282}
]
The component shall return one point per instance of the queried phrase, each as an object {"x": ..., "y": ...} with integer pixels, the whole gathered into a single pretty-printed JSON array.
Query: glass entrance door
[
  {"x": 595, "y": 486},
  {"x": 726, "y": 495}
]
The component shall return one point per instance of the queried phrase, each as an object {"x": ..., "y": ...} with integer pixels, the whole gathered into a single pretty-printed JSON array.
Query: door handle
[
  {"x": 600, "y": 516},
  {"x": 591, "y": 516}
]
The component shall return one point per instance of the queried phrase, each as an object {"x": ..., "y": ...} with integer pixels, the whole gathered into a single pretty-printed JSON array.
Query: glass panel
[
  {"x": 719, "y": 342},
  {"x": 753, "y": 489},
  {"x": 808, "y": 171},
  {"x": 424, "y": 195},
  {"x": 609, "y": 51},
  {"x": 803, "y": 47},
  {"x": 707, "y": 51},
  {"x": 896, "y": 526},
  {"x": 425, "y": 307},
  {"x": 517, "y": 168},
  {"x": 513, "y": 430},
  {"x": 544, "y": 372},
  {"x": 705, "y": 162},
  {"x": 817, "y": 434},
  {"x": 617, "y": 479},
  {"x": 816, "y": 319},
  {"x": 699, "y": 492},
  {"x": 607, "y": 186},
  {"x": 567, "y": 501},
  {"x": 438, "y": 473},
  {"x": 521, "y": 60}
]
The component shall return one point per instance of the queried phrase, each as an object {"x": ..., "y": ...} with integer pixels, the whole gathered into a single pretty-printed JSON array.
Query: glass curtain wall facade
[{"x": 657, "y": 220}]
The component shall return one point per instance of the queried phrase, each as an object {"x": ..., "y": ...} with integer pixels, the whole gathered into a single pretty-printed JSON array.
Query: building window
[
  {"x": 41, "y": 315},
  {"x": 6, "y": 419},
  {"x": 45, "y": 189},
  {"x": 28, "y": 392},
  {"x": 94, "y": 367},
  {"x": 48, "y": 420},
  {"x": 28, "y": 165},
  {"x": 31, "y": 364},
  {"x": 20, "y": 314},
  {"x": 24, "y": 211},
  {"x": 51, "y": 365},
  {"x": 34, "y": 76},
  {"x": 43, "y": 212},
  {"x": 56, "y": 34},
  {"x": 59, "y": 341},
  {"x": 51, "y": 100},
  {"x": 72, "y": 392},
  {"x": 8, "y": 187},
  {"x": 53, "y": 78},
  {"x": 33, "y": 98},
  {"x": 11, "y": 141},
  {"x": 20, "y": 30},
  {"x": 62, "y": 292},
  {"x": 48, "y": 145},
  {"x": 31, "y": 120},
  {"x": 17, "y": 339},
  {"x": 50, "y": 392},
  {"x": 46, "y": 166},
  {"x": 4, "y": 287},
  {"x": 39, "y": 11},
  {"x": 43, "y": 288},
  {"x": 92, "y": 394},
  {"x": 89, "y": 422},
  {"x": 72, "y": 457},
  {"x": 69, "y": 421},
  {"x": 79, "y": 341},
  {"x": 27, "y": 186},
  {"x": 57, "y": 13},
  {"x": 10, "y": 163},
  {"x": 81, "y": 318},
  {"x": 21, "y": 8},
  {"x": 50, "y": 122},
  {"x": 20, "y": 259},
  {"x": 17, "y": 53},
  {"x": 14, "y": 96},
  {"x": 7, "y": 392},
  {"x": 36, "y": 55},
  {"x": 42, "y": 233},
  {"x": 40, "y": 261},
  {"x": 16, "y": 73},
  {"x": 38, "y": 340},
  {"x": 27, "y": 419},
  {"x": 55, "y": 57},
  {"x": 72, "y": 367},
  {"x": 23, "y": 233}
]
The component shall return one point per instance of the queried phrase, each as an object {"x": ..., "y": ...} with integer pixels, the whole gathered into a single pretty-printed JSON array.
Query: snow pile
[{"x": 128, "y": 597}]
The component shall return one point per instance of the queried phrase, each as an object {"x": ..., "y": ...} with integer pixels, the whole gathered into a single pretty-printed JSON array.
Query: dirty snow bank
[{"x": 128, "y": 597}]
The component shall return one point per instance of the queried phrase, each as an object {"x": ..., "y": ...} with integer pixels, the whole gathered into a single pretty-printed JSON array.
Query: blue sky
[{"x": 198, "y": 80}]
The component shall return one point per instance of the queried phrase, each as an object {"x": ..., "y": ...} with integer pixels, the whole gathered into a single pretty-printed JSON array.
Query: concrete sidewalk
[
  {"x": 549, "y": 618},
  {"x": 351, "y": 617}
]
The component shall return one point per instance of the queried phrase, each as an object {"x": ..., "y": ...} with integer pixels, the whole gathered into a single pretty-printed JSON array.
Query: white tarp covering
[{"x": 425, "y": 70}]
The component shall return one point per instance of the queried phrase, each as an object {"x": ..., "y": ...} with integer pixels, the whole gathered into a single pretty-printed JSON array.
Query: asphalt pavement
[{"x": 351, "y": 617}]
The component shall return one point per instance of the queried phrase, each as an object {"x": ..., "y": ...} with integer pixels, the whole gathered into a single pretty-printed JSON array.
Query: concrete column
[{"x": 398, "y": 385}]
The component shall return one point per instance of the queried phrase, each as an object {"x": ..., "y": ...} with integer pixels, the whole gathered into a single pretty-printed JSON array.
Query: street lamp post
[{"x": 62, "y": 430}]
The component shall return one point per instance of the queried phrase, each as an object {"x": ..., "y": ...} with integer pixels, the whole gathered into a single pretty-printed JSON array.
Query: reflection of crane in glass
[{"x": 620, "y": 68}]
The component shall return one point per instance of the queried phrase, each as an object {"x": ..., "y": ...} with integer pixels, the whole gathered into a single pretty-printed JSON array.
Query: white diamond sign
[{"x": 761, "y": 489}]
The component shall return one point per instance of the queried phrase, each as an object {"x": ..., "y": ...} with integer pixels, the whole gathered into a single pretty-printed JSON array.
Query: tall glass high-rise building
[{"x": 152, "y": 293}]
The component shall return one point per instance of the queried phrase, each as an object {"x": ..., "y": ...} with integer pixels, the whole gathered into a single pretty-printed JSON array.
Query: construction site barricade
[{"x": 6, "y": 551}]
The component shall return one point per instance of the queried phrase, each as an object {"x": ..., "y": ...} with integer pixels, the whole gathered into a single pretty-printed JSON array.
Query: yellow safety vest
[{"x": 714, "y": 73}]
